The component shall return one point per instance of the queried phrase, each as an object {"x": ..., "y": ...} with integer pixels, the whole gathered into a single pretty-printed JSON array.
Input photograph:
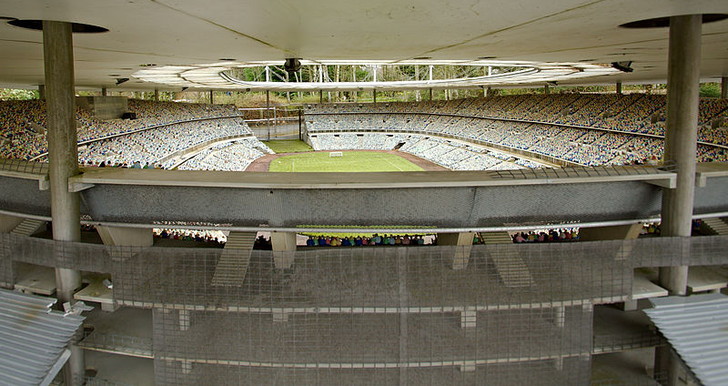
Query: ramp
[
  {"x": 234, "y": 261},
  {"x": 512, "y": 270}
]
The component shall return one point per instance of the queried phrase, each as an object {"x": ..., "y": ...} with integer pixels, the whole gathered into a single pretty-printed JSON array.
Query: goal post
[{"x": 336, "y": 154}]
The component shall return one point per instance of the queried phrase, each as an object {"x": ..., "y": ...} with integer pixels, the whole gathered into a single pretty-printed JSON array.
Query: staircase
[
  {"x": 234, "y": 261},
  {"x": 27, "y": 227},
  {"x": 717, "y": 225},
  {"x": 512, "y": 270}
]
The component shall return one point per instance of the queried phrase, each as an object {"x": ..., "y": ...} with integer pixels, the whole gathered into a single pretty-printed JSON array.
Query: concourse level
[{"x": 448, "y": 199}]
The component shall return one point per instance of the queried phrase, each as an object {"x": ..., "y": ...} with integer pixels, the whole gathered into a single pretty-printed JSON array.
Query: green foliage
[
  {"x": 352, "y": 161},
  {"x": 710, "y": 90},
  {"x": 17, "y": 94}
]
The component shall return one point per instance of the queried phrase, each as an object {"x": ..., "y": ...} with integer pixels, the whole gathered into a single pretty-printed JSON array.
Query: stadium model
[{"x": 477, "y": 308}]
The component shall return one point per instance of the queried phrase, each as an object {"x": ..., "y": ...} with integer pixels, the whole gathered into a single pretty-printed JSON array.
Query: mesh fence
[
  {"x": 569, "y": 371},
  {"x": 21, "y": 166},
  {"x": 495, "y": 314}
]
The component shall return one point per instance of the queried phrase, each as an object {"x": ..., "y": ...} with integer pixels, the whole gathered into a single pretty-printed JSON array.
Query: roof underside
[{"x": 189, "y": 32}]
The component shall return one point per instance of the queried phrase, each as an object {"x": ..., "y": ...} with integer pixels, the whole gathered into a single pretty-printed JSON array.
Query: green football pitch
[{"x": 350, "y": 161}]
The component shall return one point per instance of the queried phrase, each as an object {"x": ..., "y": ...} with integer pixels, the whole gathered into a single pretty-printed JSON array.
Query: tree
[{"x": 17, "y": 94}]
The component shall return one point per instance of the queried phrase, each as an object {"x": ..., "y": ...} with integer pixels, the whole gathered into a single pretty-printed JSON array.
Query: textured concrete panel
[
  {"x": 435, "y": 206},
  {"x": 23, "y": 196},
  {"x": 713, "y": 197}
]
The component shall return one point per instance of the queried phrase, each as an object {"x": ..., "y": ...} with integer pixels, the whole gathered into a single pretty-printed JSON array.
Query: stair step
[
  {"x": 512, "y": 270},
  {"x": 718, "y": 225},
  {"x": 27, "y": 227},
  {"x": 234, "y": 260}
]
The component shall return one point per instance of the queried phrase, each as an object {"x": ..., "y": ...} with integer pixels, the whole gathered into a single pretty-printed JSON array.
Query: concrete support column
[
  {"x": 463, "y": 243},
  {"x": 62, "y": 148},
  {"x": 127, "y": 237},
  {"x": 724, "y": 87},
  {"x": 267, "y": 107},
  {"x": 468, "y": 319},
  {"x": 63, "y": 163},
  {"x": 560, "y": 316},
  {"x": 280, "y": 316},
  {"x": 619, "y": 88},
  {"x": 104, "y": 92},
  {"x": 184, "y": 320},
  {"x": 681, "y": 137},
  {"x": 683, "y": 81},
  {"x": 41, "y": 91},
  {"x": 546, "y": 89},
  {"x": 284, "y": 249}
]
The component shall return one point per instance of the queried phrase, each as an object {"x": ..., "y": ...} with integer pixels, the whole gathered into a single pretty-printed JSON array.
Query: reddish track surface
[{"x": 261, "y": 164}]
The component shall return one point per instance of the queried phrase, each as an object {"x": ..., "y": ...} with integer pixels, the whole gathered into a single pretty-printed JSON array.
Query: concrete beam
[
  {"x": 619, "y": 232},
  {"x": 463, "y": 243},
  {"x": 128, "y": 237},
  {"x": 8, "y": 223},
  {"x": 284, "y": 249}
]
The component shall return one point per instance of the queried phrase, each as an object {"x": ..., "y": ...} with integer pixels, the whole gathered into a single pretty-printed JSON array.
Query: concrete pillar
[
  {"x": 186, "y": 367},
  {"x": 63, "y": 163},
  {"x": 280, "y": 316},
  {"x": 104, "y": 92},
  {"x": 284, "y": 249},
  {"x": 267, "y": 107},
  {"x": 41, "y": 91},
  {"x": 62, "y": 148},
  {"x": 683, "y": 81},
  {"x": 559, "y": 316},
  {"x": 127, "y": 237},
  {"x": 546, "y": 89},
  {"x": 724, "y": 87},
  {"x": 619, "y": 87},
  {"x": 463, "y": 243},
  {"x": 184, "y": 320},
  {"x": 681, "y": 137},
  {"x": 468, "y": 319}
]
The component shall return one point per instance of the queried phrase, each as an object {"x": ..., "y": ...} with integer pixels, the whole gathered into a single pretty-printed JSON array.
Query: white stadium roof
[{"x": 191, "y": 33}]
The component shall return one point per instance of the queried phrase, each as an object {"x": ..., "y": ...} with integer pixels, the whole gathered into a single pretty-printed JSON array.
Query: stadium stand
[{"x": 589, "y": 129}]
